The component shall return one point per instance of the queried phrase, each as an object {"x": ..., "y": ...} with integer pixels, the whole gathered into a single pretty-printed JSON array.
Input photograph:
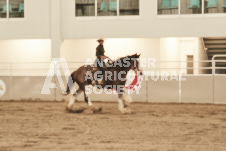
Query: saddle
[{"x": 94, "y": 69}]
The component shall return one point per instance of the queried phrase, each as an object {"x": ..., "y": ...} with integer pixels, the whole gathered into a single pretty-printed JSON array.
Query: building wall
[
  {"x": 25, "y": 57},
  {"x": 35, "y": 25},
  {"x": 38, "y": 15},
  {"x": 169, "y": 54},
  {"x": 33, "y": 50},
  {"x": 148, "y": 24},
  {"x": 81, "y": 49}
]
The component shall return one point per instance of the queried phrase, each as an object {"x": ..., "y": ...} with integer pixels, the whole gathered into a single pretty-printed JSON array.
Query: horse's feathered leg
[
  {"x": 87, "y": 99},
  {"x": 122, "y": 106},
  {"x": 72, "y": 100},
  {"x": 90, "y": 104}
]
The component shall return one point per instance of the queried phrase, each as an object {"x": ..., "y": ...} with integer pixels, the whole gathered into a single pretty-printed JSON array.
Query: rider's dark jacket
[
  {"x": 99, "y": 61},
  {"x": 100, "y": 50}
]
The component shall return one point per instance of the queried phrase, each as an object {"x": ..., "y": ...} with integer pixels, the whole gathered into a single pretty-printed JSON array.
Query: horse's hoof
[
  {"x": 126, "y": 111},
  {"x": 97, "y": 109},
  {"x": 74, "y": 110}
]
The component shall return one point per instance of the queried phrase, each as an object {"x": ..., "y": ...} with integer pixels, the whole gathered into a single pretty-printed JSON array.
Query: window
[
  {"x": 11, "y": 8},
  {"x": 16, "y": 8},
  {"x": 129, "y": 7},
  {"x": 106, "y": 7},
  {"x": 167, "y": 7},
  {"x": 191, "y": 7},
  {"x": 172, "y": 7},
  {"x": 215, "y": 6},
  {"x": 3, "y": 9},
  {"x": 85, "y": 8}
]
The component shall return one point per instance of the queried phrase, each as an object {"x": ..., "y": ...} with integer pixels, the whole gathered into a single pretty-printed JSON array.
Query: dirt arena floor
[{"x": 46, "y": 126}]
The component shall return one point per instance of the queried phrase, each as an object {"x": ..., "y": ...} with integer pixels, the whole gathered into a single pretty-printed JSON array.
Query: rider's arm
[{"x": 104, "y": 57}]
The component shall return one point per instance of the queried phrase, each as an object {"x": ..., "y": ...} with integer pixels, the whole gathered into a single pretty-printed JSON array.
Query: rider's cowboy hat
[{"x": 100, "y": 39}]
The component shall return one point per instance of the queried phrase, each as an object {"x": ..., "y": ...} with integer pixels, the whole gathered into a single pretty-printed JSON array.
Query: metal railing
[
  {"x": 214, "y": 63},
  {"x": 41, "y": 68}
]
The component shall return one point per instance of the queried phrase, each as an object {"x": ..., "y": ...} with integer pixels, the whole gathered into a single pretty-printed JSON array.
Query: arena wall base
[{"x": 195, "y": 89}]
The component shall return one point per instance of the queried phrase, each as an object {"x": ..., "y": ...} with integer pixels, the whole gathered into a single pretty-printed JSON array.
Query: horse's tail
[{"x": 69, "y": 84}]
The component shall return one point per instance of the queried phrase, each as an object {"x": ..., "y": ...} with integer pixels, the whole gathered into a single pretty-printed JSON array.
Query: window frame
[
  {"x": 179, "y": 15},
  {"x": 96, "y": 17},
  {"x": 12, "y": 18}
]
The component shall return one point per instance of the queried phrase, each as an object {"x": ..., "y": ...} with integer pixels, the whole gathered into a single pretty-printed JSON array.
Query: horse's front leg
[
  {"x": 71, "y": 102},
  {"x": 123, "y": 108},
  {"x": 90, "y": 104}
]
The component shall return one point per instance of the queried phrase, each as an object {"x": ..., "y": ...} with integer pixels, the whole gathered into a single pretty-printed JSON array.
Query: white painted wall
[
  {"x": 196, "y": 89},
  {"x": 24, "y": 54},
  {"x": 147, "y": 25},
  {"x": 167, "y": 50},
  {"x": 81, "y": 49},
  {"x": 34, "y": 50},
  {"x": 174, "y": 52},
  {"x": 38, "y": 24},
  {"x": 35, "y": 25},
  {"x": 186, "y": 47},
  {"x": 169, "y": 54}
]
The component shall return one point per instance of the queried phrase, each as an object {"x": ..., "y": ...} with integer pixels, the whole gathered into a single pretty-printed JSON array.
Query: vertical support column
[
  {"x": 55, "y": 32},
  {"x": 55, "y": 28}
]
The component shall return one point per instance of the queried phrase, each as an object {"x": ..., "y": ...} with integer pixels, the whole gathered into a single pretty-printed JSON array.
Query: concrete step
[
  {"x": 219, "y": 64},
  {"x": 218, "y": 58},
  {"x": 212, "y": 54},
  {"x": 214, "y": 38},
  {"x": 216, "y": 46},
  {"x": 216, "y": 50},
  {"x": 214, "y": 42}
]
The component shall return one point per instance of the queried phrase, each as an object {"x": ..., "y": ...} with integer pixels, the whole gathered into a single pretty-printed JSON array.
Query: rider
[{"x": 99, "y": 62}]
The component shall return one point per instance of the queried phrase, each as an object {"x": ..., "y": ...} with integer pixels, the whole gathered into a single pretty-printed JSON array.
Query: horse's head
[{"x": 135, "y": 63}]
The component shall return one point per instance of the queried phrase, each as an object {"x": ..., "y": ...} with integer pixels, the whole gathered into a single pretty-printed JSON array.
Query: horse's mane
[{"x": 128, "y": 56}]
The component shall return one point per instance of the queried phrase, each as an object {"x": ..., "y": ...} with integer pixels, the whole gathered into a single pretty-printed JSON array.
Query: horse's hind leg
[{"x": 72, "y": 100}]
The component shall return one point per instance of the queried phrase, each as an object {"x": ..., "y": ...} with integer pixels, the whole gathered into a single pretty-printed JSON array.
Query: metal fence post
[
  {"x": 146, "y": 91},
  {"x": 214, "y": 72},
  {"x": 11, "y": 88}
]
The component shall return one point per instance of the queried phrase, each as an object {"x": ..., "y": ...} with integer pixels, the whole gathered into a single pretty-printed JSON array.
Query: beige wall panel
[
  {"x": 197, "y": 89},
  {"x": 163, "y": 91},
  {"x": 220, "y": 89}
]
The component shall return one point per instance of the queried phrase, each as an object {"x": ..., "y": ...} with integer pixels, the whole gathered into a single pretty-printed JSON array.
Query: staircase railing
[
  {"x": 214, "y": 62},
  {"x": 204, "y": 48}
]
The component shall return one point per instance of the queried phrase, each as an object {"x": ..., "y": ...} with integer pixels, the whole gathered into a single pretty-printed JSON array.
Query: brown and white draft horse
[{"x": 119, "y": 66}]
